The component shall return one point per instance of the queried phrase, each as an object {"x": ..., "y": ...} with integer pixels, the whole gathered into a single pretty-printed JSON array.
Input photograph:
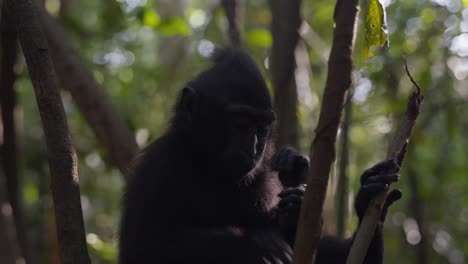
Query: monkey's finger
[
  {"x": 279, "y": 160},
  {"x": 383, "y": 178},
  {"x": 291, "y": 205},
  {"x": 374, "y": 188},
  {"x": 301, "y": 162},
  {"x": 292, "y": 199},
  {"x": 392, "y": 197},
  {"x": 389, "y": 166},
  {"x": 299, "y": 190},
  {"x": 291, "y": 211}
]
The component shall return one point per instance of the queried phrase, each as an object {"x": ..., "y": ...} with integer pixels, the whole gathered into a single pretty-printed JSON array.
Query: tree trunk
[
  {"x": 286, "y": 20},
  {"x": 233, "y": 10},
  {"x": 339, "y": 81},
  {"x": 61, "y": 155},
  {"x": 416, "y": 207},
  {"x": 9, "y": 248},
  {"x": 9, "y": 147}
]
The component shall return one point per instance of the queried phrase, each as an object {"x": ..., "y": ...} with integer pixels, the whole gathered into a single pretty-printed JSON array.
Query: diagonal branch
[
  {"x": 108, "y": 124},
  {"x": 396, "y": 151},
  {"x": 339, "y": 82}
]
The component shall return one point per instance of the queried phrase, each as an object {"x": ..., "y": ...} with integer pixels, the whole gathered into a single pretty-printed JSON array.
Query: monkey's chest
[{"x": 233, "y": 208}]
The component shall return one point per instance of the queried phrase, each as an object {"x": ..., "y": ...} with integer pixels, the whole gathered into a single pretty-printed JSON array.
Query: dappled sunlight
[
  {"x": 413, "y": 235},
  {"x": 142, "y": 136},
  {"x": 459, "y": 45},
  {"x": 117, "y": 58},
  {"x": 451, "y": 5},
  {"x": 130, "y": 5},
  {"x": 458, "y": 65},
  {"x": 206, "y": 48},
  {"x": 363, "y": 87},
  {"x": 197, "y": 18},
  {"x": 442, "y": 242}
]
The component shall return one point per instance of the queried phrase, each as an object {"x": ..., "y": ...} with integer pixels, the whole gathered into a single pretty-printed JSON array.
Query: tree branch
[
  {"x": 108, "y": 124},
  {"x": 396, "y": 151},
  {"x": 233, "y": 8},
  {"x": 61, "y": 155},
  {"x": 339, "y": 81}
]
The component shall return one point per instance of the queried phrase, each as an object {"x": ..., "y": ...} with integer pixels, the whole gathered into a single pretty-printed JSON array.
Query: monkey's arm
[{"x": 227, "y": 245}]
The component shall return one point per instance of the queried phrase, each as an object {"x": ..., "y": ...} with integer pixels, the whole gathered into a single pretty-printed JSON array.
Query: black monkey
[{"x": 209, "y": 189}]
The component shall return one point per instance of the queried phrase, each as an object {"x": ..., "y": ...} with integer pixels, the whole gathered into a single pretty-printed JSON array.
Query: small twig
[{"x": 410, "y": 76}]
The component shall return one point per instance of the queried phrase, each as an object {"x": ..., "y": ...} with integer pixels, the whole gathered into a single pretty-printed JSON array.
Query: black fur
[{"x": 195, "y": 196}]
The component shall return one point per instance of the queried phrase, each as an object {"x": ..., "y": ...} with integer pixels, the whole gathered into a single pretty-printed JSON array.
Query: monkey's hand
[
  {"x": 375, "y": 180},
  {"x": 288, "y": 211},
  {"x": 291, "y": 166}
]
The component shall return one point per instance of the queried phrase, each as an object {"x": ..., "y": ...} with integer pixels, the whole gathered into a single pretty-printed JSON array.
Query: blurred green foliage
[{"x": 143, "y": 51}]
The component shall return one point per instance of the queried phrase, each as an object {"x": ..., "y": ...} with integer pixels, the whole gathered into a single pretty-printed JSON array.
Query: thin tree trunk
[
  {"x": 64, "y": 8},
  {"x": 339, "y": 81},
  {"x": 416, "y": 207},
  {"x": 9, "y": 148},
  {"x": 61, "y": 155},
  {"x": 286, "y": 20},
  {"x": 108, "y": 124},
  {"x": 343, "y": 183},
  {"x": 233, "y": 10},
  {"x": 172, "y": 50},
  {"x": 9, "y": 247}
]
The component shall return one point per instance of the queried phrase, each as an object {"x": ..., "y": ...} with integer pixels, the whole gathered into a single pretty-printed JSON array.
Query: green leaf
[
  {"x": 174, "y": 26},
  {"x": 31, "y": 193},
  {"x": 259, "y": 38},
  {"x": 151, "y": 18},
  {"x": 375, "y": 27}
]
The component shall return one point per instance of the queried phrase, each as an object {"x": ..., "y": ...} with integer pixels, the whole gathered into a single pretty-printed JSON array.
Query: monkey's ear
[{"x": 188, "y": 100}]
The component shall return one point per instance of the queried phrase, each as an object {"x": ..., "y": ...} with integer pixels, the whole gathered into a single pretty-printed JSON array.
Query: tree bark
[
  {"x": 339, "y": 81},
  {"x": 233, "y": 10},
  {"x": 108, "y": 124},
  {"x": 61, "y": 155},
  {"x": 286, "y": 20},
  {"x": 9, "y": 147}
]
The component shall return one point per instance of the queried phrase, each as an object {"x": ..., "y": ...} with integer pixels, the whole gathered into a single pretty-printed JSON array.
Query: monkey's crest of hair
[{"x": 233, "y": 56}]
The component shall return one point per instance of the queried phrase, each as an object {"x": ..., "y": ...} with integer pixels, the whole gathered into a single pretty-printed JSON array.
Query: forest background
[{"x": 133, "y": 56}]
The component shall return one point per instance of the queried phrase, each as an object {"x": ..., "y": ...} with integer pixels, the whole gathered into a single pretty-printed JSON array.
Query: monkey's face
[{"x": 248, "y": 130}]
